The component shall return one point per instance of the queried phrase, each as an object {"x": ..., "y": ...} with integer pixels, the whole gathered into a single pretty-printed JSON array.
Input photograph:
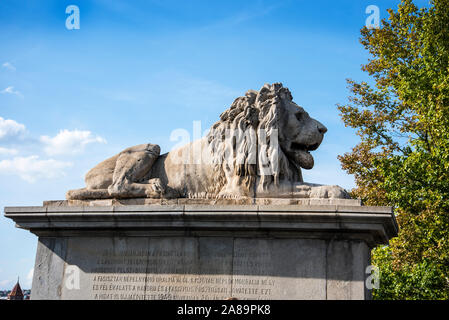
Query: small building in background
[{"x": 16, "y": 292}]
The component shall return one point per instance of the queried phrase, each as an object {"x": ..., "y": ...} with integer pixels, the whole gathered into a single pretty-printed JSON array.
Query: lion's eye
[{"x": 299, "y": 115}]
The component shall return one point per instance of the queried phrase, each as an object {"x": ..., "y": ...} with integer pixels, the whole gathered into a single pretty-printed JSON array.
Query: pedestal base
[{"x": 204, "y": 251}]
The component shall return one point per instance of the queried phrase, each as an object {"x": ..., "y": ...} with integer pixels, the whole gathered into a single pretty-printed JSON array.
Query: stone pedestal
[{"x": 184, "y": 251}]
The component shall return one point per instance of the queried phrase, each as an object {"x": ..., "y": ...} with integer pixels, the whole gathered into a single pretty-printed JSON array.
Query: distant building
[{"x": 16, "y": 292}]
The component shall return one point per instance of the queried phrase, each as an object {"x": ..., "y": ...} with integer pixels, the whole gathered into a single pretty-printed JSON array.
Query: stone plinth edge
[{"x": 374, "y": 225}]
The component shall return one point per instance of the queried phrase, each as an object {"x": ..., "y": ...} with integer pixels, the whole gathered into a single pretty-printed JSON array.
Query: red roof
[{"x": 16, "y": 292}]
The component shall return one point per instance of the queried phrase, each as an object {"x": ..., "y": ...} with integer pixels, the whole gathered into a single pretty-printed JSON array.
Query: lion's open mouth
[
  {"x": 301, "y": 153},
  {"x": 304, "y": 147}
]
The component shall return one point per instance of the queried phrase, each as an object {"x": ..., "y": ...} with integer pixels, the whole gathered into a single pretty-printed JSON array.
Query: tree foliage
[{"x": 403, "y": 155}]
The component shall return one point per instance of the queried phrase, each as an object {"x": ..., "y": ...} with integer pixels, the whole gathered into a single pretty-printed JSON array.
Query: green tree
[{"x": 402, "y": 159}]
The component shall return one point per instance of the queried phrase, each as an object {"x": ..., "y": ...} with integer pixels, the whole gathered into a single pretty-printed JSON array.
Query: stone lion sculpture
[{"x": 256, "y": 149}]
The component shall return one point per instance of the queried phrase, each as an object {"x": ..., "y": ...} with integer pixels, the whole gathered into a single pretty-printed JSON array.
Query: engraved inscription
[{"x": 175, "y": 274}]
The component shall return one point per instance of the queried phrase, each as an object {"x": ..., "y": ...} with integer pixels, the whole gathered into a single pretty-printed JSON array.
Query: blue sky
[{"x": 135, "y": 71}]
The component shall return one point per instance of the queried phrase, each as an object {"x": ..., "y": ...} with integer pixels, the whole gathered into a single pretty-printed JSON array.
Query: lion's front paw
[
  {"x": 330, "y": 192},
  {"x": 231, "y": 193},
  {"x": 228, "y": 195}
]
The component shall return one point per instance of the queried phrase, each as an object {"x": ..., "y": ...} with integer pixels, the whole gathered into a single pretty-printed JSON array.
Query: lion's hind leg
[
  {"x": 97, "y": 181},
  {"x": 131, "y": 166}
]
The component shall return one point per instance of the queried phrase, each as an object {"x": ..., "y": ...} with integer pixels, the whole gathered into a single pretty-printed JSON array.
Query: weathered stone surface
[
  {"x": 152, "y": 268},
  {"x": 187, "y": 201},
  {"x": 346, "y": 264},
  {"x": 370, "y": 224},
  {"x": 255, "y": 150},
  {"x": 49, "y": 268},
  {"x": 200, "y": 268},
  {"x": 203, "y": 251}
]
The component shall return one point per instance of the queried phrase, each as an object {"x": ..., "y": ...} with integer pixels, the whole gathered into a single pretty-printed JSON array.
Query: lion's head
[{"x": 289, "y": 132}]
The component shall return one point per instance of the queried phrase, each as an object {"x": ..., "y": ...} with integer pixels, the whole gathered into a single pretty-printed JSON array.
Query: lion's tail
[{"x": 85, "y": 194}]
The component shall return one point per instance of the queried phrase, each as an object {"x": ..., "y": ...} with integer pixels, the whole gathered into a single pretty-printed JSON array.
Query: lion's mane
[{"x": 255, "y": 113}]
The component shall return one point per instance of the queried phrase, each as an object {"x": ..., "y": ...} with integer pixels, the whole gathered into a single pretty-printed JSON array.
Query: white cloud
[
  {"x": 29, "y": 278},
  {"x": 32, "y": 168},
  {"x": 11, "y": 128},
  {"x": 69, "y": 142},
  {"x": 8, "y": 152},
  {"x": 9, "y": 66},
  {"x": 3, "y": 283},
  {"x": 10, "y": 90}
]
